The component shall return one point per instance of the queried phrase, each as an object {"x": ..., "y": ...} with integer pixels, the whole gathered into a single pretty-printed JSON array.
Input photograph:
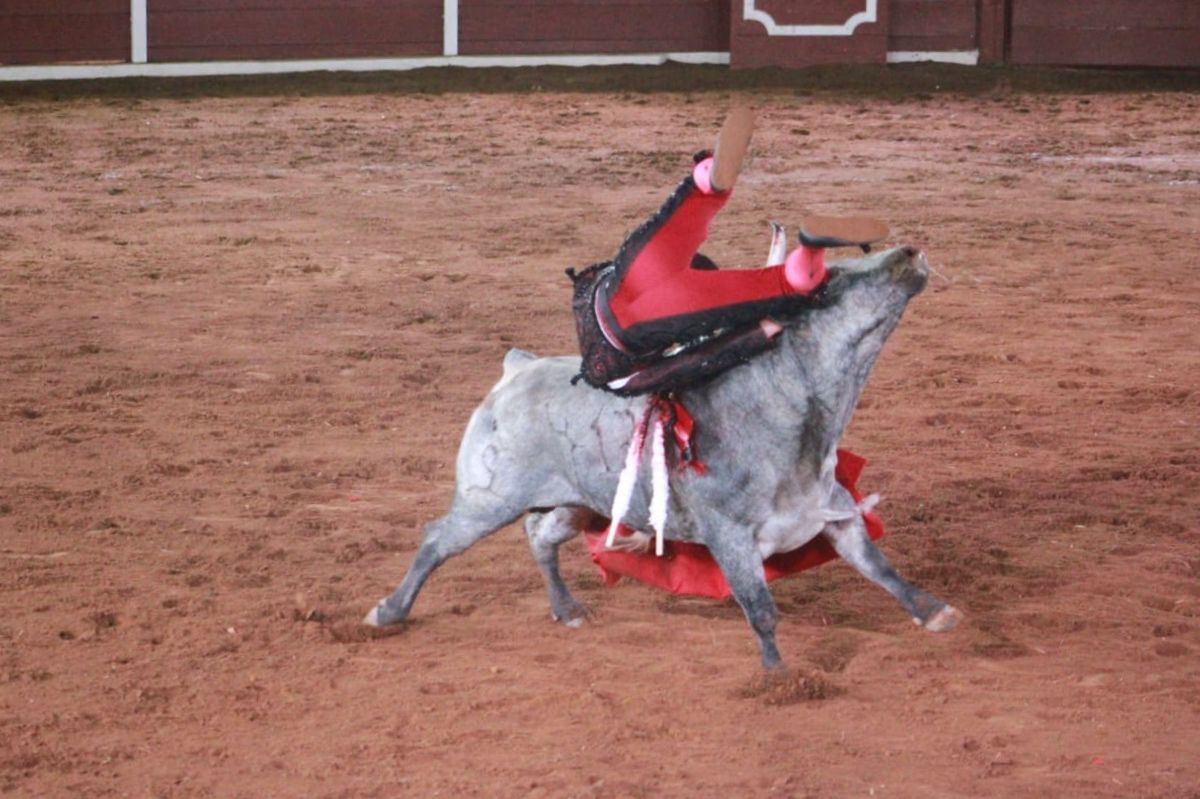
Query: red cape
[{"x": 689, "y": 568}]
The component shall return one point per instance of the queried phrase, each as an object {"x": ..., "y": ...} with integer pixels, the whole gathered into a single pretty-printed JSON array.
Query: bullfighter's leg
[
  {"x": 732, "y": 143},
  {"x": 742, "y": 566},
  {"x": 465, "y": 524},
  {"x": 546, "y": 532},
  {"x": 854, "y": 545}
]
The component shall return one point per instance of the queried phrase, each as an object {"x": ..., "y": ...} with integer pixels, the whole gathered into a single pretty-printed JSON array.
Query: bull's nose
[
  {"x": 910, "y": 267},
  {"x": 905, "y": 257},
  {"x": 915, "y": 257}
]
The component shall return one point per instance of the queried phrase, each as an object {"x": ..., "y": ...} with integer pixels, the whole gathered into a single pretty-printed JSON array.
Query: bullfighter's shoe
[
  {"x": 820, "y": 232},
  {"x": 805, "y": 266}
]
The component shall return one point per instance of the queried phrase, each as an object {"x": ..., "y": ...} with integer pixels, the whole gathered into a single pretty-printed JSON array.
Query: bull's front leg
[
  {"x": 854, "y": 545},
  {"x": 741, "y": 563}
]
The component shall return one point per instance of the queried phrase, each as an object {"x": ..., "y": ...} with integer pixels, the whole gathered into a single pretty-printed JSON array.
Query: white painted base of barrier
[
  {"x": 967, "y": 58},
  {"x": 223, "y": 68},
  {"x": 200, "y": 69}
]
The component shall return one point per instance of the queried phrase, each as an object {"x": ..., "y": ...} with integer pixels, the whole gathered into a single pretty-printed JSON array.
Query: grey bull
[{"x": 767, "y": 431}]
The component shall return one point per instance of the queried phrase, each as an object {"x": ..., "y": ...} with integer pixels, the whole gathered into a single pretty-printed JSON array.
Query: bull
[{"x": 546, "y": 448}]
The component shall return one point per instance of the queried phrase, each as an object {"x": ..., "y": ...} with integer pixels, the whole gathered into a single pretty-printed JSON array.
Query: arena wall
[
  {"x": 215, "y": 30},
  {"x": 526, "y": 27},
  {"x": 211, "y": 37},
  {"x": 1126, "y": 33},
  {"x": 797, "y": 33},
  {"x": 933, "y": 25},
  {"x": 54, "y": 31}
]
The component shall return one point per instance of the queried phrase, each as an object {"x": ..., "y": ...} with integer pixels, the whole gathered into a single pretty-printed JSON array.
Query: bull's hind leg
[
  {"x": 854, "y": 545},
  {"x": 547, "y": 532},
  {"x": 448, "y": 536}
]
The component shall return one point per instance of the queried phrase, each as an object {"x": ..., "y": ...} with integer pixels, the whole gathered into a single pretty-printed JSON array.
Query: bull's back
[
  {"x": 539, "y": 409},
  {"x": 519, "y": 415},
  {"x": 533, "y": 441}
]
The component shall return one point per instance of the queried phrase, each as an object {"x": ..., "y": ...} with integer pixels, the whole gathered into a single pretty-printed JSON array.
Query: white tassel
[
  {"x": 625, "y": 485},
  {"x": 660, "y": 486}
]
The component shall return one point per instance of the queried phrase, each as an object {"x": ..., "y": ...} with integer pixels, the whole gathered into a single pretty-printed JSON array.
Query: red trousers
[{"x": 656, "y": 297}]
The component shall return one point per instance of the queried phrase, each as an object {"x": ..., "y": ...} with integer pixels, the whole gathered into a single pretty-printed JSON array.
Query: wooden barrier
[
  {"x": 928, "y": 26},
  {"x": 1128, "y": 33},
  {"x": 800, "y": 33},
  {"x": 214, "y": 30},
  {"x": 121, "y": 38},
  {"x": 49, "y": 31},
  {"x": 526, "y": 27}
]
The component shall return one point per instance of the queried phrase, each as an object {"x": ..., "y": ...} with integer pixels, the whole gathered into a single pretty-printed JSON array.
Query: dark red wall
[
  {"x": 931, "y": 25},
  {"x": 993, "y": 31},
  {"x": 205, "y": 30},
  {"x": 753, "y": 47},
  {"x": 521, "y": 27},
  {"x": 50, "y": 31},
  {"x": 1150, "y": 33}
]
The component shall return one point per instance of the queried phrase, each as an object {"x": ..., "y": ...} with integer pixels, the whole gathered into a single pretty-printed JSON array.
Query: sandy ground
[{"x": 240, "y": 337}]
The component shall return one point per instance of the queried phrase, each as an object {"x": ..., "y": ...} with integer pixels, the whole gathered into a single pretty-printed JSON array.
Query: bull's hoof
[
  {"x": 382, "y": 616},
  {"x": 385, "y": 614},
  {"x": 945, "y": 619},
  {"x": 571, "y": 614}
]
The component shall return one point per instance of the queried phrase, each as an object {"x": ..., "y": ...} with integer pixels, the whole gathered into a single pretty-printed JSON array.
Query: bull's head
[
  {"x": 863, "y": 301},
  {"x": 831, "y": 349}
]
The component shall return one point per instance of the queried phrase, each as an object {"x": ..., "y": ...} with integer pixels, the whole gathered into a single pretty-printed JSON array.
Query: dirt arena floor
[{"x": 240, "y": 336}]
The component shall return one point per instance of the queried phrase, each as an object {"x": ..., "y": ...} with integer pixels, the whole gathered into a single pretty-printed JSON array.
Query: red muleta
[{"x": 690, "y": 570}]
